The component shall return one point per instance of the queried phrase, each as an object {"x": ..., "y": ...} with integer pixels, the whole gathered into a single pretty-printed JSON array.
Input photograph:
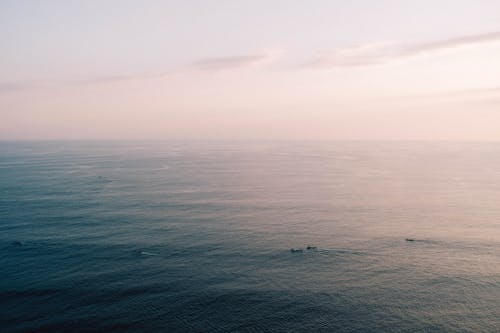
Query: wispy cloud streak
[
  {"x": 14, "y": 86},
  {"x": 451, "y": 43},
  {"x": 217, "y": 63},
  {"x": 119, "y": 78},
  {"x": 7, "y": 86},
  {"x": 479, "y": 93},
  {"x": 205, "y": 64},
  {"x": 230, "y": 62},
  {"x": 376, "y": 54}
]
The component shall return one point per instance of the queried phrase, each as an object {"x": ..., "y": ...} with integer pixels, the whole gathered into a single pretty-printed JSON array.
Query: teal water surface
[{"x": 196, "y": 237}]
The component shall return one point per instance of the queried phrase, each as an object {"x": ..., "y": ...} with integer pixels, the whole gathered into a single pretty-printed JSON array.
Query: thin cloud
[
  {"x": 481, "y": 90},
  {"x": 376, "y": 54},
  {"x": 452, "y": 43},
  {"x": 487, "y": 92},
  {"x": 217, "y": 63},
  {"x": 362, "y": 55},
  {"x": 206, "y": 64},
  {"x": 119, "y": 78},
  {"x": 230, "y": 62},
  {"x": 484, "y": 93},
  {"x": 7, "y": 86}
]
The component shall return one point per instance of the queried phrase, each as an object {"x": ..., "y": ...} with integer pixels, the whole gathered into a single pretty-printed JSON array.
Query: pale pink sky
[{"x": 377, "y": 70}]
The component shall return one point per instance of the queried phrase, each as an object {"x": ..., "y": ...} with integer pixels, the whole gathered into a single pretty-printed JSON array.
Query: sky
[{"x": 250, "y": 70}]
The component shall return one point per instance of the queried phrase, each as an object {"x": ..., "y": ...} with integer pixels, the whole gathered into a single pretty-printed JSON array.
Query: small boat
[
  {"x": 410, "y": 239},
  {"x": 310, "y": 247},
  {"x": 296, "y": 250}
]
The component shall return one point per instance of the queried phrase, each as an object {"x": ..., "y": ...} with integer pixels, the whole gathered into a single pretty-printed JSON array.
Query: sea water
[{"x": 196, "y": 237}]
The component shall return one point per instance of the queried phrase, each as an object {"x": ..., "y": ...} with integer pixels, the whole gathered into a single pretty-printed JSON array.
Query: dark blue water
[{"x": 196, "y": 237}]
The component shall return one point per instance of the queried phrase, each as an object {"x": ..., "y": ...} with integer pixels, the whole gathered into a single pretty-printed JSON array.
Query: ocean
[{"x": 196, "y": 236}]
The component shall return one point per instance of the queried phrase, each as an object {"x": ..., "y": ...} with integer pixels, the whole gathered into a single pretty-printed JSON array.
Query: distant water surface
[{"x": 196, "y": 237}]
